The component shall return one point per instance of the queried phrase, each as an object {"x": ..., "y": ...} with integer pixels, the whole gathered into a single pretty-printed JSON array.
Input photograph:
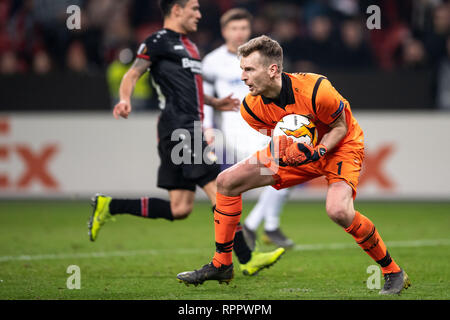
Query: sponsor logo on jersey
[{"x": 194, "y": 65}]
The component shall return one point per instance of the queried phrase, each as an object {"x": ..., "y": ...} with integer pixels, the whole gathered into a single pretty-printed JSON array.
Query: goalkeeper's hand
[
  {"x": 279, "y": 147},
  {"x": 297, "y": 154}
]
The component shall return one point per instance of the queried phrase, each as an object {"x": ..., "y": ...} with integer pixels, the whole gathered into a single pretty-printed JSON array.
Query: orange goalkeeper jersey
[{"x": 307, "y": 94}]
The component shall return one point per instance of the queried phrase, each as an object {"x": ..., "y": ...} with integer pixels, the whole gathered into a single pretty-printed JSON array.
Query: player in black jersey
[{"x": 176, "y": 74}]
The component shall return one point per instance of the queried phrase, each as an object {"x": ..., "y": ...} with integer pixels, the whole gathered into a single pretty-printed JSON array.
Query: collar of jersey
[
  {"x": 286, "y": 95},
  {"x": 170, "y": 31}
]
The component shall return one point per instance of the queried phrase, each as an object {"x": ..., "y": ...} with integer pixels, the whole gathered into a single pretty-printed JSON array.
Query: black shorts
[{"x": 181, "y": 168}]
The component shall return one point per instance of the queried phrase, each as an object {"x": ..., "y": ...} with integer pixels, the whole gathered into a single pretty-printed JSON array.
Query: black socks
[{"x": 153, "y": 208}]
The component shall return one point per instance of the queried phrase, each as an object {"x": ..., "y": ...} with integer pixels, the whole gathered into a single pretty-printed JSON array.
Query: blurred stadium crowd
[{"x": 317, "y": 35}]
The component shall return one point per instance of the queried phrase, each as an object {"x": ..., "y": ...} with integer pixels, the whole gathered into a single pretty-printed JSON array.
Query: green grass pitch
[{"x": 136, "y": 258}]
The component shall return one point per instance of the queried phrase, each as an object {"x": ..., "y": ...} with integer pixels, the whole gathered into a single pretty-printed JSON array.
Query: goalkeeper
[
  {"x": 221, "y": 74},
  {"x": 338, "y": 156}
]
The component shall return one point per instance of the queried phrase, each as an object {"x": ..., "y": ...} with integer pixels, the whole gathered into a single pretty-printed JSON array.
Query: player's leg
[
  {"x": 105, "y": 208},
  {"x": 339, "y": 203},
  {"x": 181, "y": 203},
  {"x": 339, "y": 207},
  {"x": 272, "y": 230},
  {"x": 268, "y": 208},
  {"x": 231, "y": 183},
  {"x": 238, "y": 149},
  {"x": 204, "y": 174},
  {"x": 240, "y": 247},
  {"x": 211, "y": 189},
  {"x": 342, "y": 172},
  {"x": 144, "y": 207},
  {"x": 250, "y": 261},
  {"x": 257, "y": 171},
  {"x": 181, "y": 194},
  {"x": 170, "y": 177}
]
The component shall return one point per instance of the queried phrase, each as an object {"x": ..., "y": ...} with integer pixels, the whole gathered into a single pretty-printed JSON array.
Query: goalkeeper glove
[
  {"x": 279, "y": 147},
  {"x": 297, "y": 154}
]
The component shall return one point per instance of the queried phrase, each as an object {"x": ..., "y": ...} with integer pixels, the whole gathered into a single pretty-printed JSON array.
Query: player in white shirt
[{"x": 222, "y": 75}]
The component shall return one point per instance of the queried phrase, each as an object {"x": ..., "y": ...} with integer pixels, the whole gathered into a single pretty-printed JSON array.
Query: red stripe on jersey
[
  {"x": 193, "y": 52},
  {"x": 144, "y": 207},
  {"x": 190, "y": 47},
  {"x": 200, "y": 94},
  {"x": 143, "y": 56}
]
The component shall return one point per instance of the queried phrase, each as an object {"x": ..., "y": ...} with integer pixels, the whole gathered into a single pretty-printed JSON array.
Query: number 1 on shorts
[{"x": 339, "y": 164}]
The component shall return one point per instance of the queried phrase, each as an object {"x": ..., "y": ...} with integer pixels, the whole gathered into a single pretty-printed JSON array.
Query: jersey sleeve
[
  {"x": 208, "y": 88},
  {"x": 329, "y": 103},
  {"x": 209, "y": 73},
  {"x": 151, "y": 49},
  {"x": 209, "y": 78},
  {"x": 253, "y": 120},
  {"x": 208, "y": 119},
  {"x": 208, "y": 111}
]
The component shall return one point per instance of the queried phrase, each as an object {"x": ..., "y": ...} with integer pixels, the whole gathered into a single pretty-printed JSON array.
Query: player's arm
[
  {"x": 224, "y": 104},
  {"x": 208, "y": 124},
  {"x": 208, "y": 111},
  {"x": 254, "y": 120},
  {"x": 330, "y": 109},
  {"x": 338, "y": 131},
  {"x": 295, "y": 154},
  {"x": 129, "y": 80}
]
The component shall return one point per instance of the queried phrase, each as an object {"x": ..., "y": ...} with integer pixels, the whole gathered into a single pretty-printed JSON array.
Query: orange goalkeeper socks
[
  {"x": 227, "y": 215},
  {"x": 367, "y": 237}
]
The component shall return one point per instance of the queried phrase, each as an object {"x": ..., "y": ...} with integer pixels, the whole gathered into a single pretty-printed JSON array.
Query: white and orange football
[{"x": 297, "y": 127}]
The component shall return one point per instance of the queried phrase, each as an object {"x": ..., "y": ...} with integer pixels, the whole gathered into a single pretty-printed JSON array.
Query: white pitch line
[
  {"x": 106, "y": 254},
  {"x": 300, "y": 247},
  {"x": 389, "y": 244}
]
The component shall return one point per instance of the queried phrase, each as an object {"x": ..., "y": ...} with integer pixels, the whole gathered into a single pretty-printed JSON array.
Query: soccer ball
[{"x": 297, "y": 127}]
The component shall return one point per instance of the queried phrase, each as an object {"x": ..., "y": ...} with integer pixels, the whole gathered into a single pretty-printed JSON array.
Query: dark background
[{"x": 404, "y": 65}]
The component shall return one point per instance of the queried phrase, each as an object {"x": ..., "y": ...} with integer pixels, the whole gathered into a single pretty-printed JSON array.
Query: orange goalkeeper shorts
[{"x": 342, "y": 164}]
